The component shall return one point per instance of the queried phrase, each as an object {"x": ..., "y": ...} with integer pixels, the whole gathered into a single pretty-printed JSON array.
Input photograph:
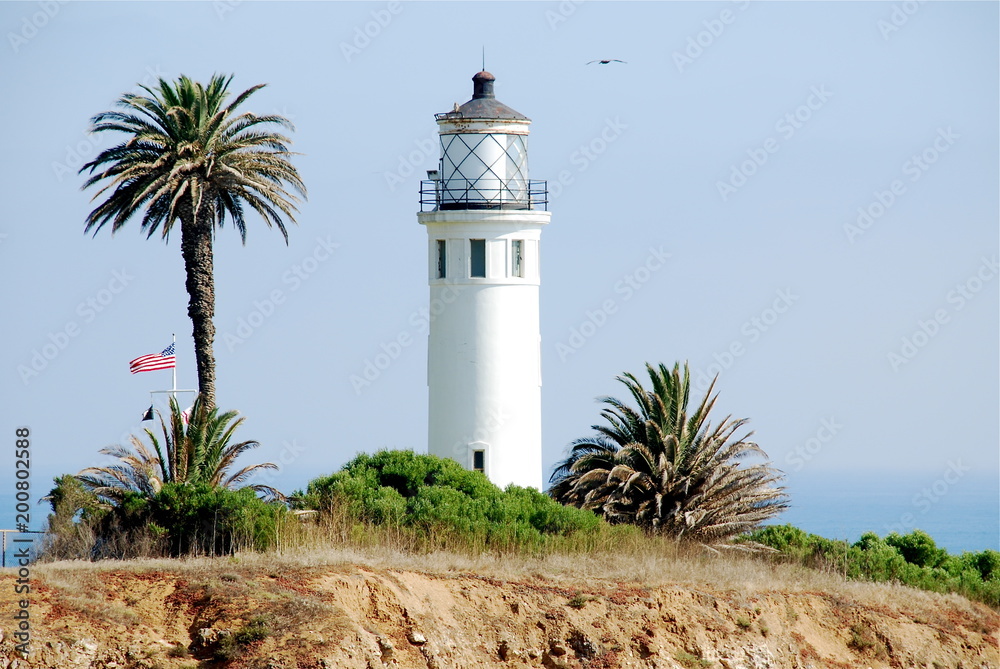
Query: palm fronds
[
  {"x": 188, "y": 156},
  {"x": 667, "y": 469},
  {"x": 186, "y": 150},
  {"x": 199, "y": 449}
]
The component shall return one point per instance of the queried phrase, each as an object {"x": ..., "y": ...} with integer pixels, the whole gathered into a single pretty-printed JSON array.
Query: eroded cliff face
[{"x": 369, "y": 618}]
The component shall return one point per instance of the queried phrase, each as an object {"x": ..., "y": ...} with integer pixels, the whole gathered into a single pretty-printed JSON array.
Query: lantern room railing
[{"x": 438, "y": 195}]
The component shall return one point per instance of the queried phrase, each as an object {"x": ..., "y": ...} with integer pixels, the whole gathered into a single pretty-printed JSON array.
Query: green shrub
[
  {"x": 987, "y": 563},
  {"x": 185, "y": 519},
  {"x": 442, "y": 503},
  {"x": 579, "y": 600},
  {"x": 861, "y": 638},
  {"x": 256, "y": 629},
  {"x": 917, "y": 548},
  {"x": 912, "y": 559},
  {"x": 691, "y": 661},
  {"x": 178, "y": 651}
]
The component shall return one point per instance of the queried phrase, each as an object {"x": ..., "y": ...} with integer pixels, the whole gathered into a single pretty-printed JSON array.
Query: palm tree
[
  {"x": 198, "y": 449},
  {"x": 673, "y": 473},
  {"x": 188, "y": 157}
]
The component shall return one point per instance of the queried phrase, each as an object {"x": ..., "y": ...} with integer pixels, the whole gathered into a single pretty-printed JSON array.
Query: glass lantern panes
[{"x": 484, "y": 171}]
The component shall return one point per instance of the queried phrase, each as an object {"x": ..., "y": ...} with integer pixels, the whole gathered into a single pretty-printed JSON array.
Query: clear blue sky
[{"x": 740, "y": 138}]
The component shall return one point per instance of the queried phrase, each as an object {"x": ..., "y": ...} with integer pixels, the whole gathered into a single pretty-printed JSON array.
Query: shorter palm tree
[
  {"x": 195, "y": 449},
  {"x": 673, "y": 473}
]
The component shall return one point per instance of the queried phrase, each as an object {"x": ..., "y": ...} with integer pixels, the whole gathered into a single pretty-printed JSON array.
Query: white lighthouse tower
[{"x": 484, "y": 219}]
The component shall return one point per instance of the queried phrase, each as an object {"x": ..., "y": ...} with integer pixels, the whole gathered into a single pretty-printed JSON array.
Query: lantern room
[{"x": 484, "y": 156}]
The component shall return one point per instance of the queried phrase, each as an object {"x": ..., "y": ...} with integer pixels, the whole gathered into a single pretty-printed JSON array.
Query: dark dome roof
[{"x": 483, "y": 103}]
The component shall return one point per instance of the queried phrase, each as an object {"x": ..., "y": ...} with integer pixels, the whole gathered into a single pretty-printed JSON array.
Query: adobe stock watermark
[
  {"x": 913, "y": 167},
  {"x": 419, "y": 323},
  {"x": 374, "y": 365},
  {"x": 752, "y": 330},
  {"x": 626, "y": 287},
  {"x": 484, "y": 433},
  {"x": 408, "y": 164},
  {"x": 927, "y": 329},
  {"x": 290, "y": 452},
  {"x": 562, "y": 12},
  {"x": 76, "y": 154},
  {"x": 786, "y": 126},
  {"x": 585, "y": 155},
  {"x": 924, "y": 500},
  {"x": 898, "y": 17},
  {"x": 806, "y": 451},
  {"x": 704, "y": 39},
  {"x": 363, "y": 35},
  {"x": 88, "y": 311},
  {"x": 32, "y": 23},
  {"x": 224, "y": 7},
  {"x": 266, "y": 306}
]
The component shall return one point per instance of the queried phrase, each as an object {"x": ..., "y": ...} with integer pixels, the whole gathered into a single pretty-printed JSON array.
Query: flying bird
[{"x": 609, "y": 60}]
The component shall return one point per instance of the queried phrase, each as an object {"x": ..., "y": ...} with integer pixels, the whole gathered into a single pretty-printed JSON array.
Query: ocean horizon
[{"x": 960, "y": 512}]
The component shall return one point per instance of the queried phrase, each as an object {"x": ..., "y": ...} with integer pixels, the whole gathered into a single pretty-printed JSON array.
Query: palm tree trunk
[{"x": 196, "y": 247}]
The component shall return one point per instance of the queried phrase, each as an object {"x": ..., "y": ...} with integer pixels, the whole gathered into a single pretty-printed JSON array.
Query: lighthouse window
[
  {"x": 479, "y": 461},
  {"x": 517, "y": 257},
  {"x": 477, "y": 258},
  {"x": 442, "y": 258}
]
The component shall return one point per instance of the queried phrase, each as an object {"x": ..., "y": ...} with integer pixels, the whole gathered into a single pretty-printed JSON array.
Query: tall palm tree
[
  {"x": 669, "y": 471},
  {"x": 188, "y": 157},
  {"x": 195, "y": 449}
]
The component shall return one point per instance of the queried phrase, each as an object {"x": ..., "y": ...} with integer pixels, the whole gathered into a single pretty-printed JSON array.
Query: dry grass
[
  {"x": 620, "y": 555},
  {"x": 649, "y": 564},
  {"x": 274, "y": 587}
]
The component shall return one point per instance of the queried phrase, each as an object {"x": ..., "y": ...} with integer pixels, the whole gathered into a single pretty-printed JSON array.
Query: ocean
[{"x": 961, "y": 511}]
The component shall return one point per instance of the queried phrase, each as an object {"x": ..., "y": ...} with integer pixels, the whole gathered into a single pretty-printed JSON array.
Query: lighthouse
[{"x": 484, "y": 219}]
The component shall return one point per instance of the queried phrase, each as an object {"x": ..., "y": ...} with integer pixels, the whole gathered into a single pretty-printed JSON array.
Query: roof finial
[
  {"x": 482, "y": 85},
  {"x": 484, "y": 58}
]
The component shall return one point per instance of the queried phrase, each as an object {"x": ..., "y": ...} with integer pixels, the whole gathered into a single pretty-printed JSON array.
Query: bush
[
  {"x": 917, "y": 548},
  {"x": 256, "y": 629},
  {"x": 442, "y": 503},
  {"x": 912, "y": 559},
  {"x": 70, "y": 527},
  {"x": 181, "y": 519}
]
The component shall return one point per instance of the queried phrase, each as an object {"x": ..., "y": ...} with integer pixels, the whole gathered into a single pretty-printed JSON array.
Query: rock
[
  {"x": 759, "y": 657},
  {"x": 507, "y": 652},
  {"x": 386, "y": 647},
  {"x": 416, "y": 638},
  {"x": 85, "y": 646},
  {"x": 552, "y": 662},
  {"x": 430, "y": 657},
  {"x": 557, "y": 649},
  {"x": 584, "y": 648}
]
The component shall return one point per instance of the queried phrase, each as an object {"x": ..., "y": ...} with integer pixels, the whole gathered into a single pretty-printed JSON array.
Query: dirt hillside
[{"x": 369, "y": 617}]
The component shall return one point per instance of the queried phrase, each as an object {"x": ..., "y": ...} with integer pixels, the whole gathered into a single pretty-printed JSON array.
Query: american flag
[{"x": 153, "y": 361}]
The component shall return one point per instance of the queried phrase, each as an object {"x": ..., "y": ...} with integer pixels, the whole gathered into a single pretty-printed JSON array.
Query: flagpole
[
  {"x": 174, "y": 385},
  {"x": 172, "y": 392}
]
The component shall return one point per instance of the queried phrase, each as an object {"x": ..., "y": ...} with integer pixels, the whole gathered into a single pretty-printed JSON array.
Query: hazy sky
[{"x": 803, "y": 196}]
